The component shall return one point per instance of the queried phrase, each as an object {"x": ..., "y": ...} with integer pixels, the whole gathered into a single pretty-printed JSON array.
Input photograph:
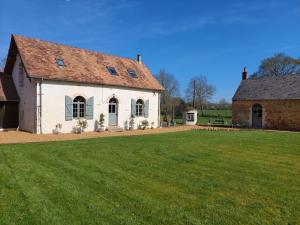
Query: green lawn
[
  {"x": 197, "y": 177},
  {"x": 217, "y": 113},
  {"x": 210, "y": 115}
]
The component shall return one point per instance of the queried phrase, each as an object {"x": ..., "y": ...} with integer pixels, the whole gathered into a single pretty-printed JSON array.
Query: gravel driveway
[{"x": 10, "y": 137}]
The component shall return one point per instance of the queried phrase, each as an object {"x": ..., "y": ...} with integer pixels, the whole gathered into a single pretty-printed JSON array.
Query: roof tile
[
  {"x": 84, "y": 66},
  {"x": 269, "y": 88}
]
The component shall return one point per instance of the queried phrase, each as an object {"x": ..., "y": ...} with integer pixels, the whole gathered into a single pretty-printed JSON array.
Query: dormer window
[
  {"x": 60, "y": 62},
  {"x": 112, "y": 70},
  {"x": 132, "y": 73}
]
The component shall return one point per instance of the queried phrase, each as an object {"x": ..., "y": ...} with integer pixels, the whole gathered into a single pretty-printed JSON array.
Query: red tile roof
[
  {"x": 8, "y": 90},
  {"x": 84, "y": 66}
]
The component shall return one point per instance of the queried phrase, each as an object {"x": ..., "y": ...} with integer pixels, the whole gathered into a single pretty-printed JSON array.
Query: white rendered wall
[
  {"x": 53, "y": 104},
  {"x": 27, "y": 106}
]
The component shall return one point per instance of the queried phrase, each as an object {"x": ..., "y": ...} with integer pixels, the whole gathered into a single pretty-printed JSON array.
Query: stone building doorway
[{"x": 257, "y": 114}]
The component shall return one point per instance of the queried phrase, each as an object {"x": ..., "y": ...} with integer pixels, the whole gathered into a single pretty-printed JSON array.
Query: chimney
[
  {"x": 139, "y": 59},
  {"x": 245, "y": 74}
]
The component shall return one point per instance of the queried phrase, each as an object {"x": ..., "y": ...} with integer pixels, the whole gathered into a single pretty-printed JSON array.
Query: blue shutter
[
  {"x": 68, "y": 108},
  {"x": 133, "y": 107},
  {"x": 89, "y": 110},
  {"x": 146, "y": 109}
]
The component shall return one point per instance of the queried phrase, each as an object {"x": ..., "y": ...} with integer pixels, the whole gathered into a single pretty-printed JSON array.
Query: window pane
[
  {"x": 113, "y": 108},
  {"x": 112, "y": 70},
  {"x": 75, "y": 110},
  {"x": 60, "y": 62},
  {"x": 81, "y": 110},
  {"x": 190, "y": 117}
]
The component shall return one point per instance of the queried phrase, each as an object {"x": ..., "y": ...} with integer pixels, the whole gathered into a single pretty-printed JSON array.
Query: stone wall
[{"x": 277, "y": 114}]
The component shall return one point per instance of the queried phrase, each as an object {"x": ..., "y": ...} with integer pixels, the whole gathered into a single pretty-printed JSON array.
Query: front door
[
  {"x": 113, "y": 112},
  {"x": 257, "y": 116}
]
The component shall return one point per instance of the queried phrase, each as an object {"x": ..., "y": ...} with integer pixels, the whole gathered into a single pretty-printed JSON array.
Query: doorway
[
  {"x": 257, "y": 114},
  {"x": 113, "y": 112}
]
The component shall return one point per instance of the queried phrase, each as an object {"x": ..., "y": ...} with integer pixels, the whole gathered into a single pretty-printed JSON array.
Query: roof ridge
[
  {"x": 74, "y": 47},
  {"x": 269, "y": 88},
  {"x": 273, "y": 76}
]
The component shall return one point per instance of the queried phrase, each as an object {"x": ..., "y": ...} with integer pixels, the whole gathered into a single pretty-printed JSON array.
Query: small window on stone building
[{"x": 21, "y": 75}]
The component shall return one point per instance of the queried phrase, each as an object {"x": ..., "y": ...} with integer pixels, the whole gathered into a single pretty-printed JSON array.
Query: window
[
  {"x": 60, "y": 62},
  {"x": 257, "y": 110},
  {"x": 139, "y": 107},
  {"x": 132, "y": 73},
  {"x": 112, "y": 71},
  {"x": 112, "y": 107},
  {"x": 21, "y": 75},
  {"x": 79, "y": 107},
  {"x": 190, "y": 117}
]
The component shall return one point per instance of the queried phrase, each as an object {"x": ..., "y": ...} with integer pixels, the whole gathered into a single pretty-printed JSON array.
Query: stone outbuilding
[{"x": 267, "y": 102}]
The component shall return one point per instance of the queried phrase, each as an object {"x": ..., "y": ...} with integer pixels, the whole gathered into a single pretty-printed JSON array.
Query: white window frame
[
  {"x": 79, "y": 108},
  {"x": 139, "y": 108}
]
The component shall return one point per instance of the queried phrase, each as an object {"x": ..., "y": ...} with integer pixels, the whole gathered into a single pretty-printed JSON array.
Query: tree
[
  {"x": 169, "y": 82},
  {"x": 278, "y": 65},
  {"x": 202, "y": 90},
  {"x": 223, "y": 104}
]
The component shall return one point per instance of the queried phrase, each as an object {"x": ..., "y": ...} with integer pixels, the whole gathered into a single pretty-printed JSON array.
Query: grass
[
  {"x": 210, "y": 115},
  {"x": 217, "y": 113},
  {"x": 197, "y": 177}
]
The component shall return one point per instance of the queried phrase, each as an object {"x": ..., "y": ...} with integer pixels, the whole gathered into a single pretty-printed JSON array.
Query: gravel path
[{"x": 10, "y": 137}]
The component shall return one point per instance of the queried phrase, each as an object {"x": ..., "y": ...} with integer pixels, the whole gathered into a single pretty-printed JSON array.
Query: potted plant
[
  {"x": 131, "y": 123},
  {"x": 80, "y": 126},
  {"x": 126, "y": 125},
  {"x": 57, "y": 129},
  {"x": 145, "y": 124},
  {"x": 101, "y": 127}
]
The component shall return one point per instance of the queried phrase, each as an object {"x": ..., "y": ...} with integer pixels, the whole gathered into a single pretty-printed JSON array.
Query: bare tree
[
  {"x": 201, "y": 89},
  {"x": 169, "y": 82},
  {"x": 223, "y": 104},
  {"x": 278, "y": 65}
]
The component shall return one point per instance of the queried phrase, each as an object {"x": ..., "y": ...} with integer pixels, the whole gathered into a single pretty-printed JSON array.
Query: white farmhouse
[{"x": 58, "y": 84}]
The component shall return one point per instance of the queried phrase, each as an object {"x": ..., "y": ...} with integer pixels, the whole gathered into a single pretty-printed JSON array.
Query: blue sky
[{"x": 186, "y": 38}]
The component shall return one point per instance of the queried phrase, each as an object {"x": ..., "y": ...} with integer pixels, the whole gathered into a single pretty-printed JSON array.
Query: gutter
[
  {"x": 40, "y": 104},
  {"x": 158, "y": 122}
]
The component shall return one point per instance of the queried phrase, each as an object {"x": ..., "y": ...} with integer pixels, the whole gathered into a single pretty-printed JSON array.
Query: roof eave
[{"x": 38, "y": 77}]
